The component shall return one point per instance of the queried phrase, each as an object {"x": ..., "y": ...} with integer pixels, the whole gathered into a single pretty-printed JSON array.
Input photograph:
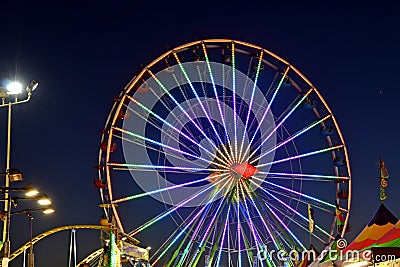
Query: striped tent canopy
[
  {"x": 380, "y": 224},
  {"x": 391, "y": 238}
]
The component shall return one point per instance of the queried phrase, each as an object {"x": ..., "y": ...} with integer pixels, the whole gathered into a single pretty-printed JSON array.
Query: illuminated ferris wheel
[{"x": 220, "y": 151}]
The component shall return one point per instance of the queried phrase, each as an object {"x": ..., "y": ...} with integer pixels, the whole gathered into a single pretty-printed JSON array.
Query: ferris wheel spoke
[
  {"x": 299, "y": 179},
  {"x": 206, "y": 235},
  {"x": 238, "y": 226},
  {"x": 303, "y": 226},
  {"x": 173, "y": 155},
  {"x": 178, "y": 120},
  {"x": 198, "y": 98},
  {"x": 163, "y": 189},
  {"x": 265, "y": 139},
  {"x": 254, "y": 232},
  {"x": 222, "y": 241},
  {"x": 266, "y": 110},
  {"x": 283, "y": 203},
  {"x": 299, "y": 156},
  {"x": 278, "y": 220},
  {"x": 185, "y": 96},
  {"x": 154, "y": 142},
  {"x": 221, "y": 113},
  {"x": 183, "y": 231},
  {"x": 179, "y": 205},
  {"x": 175, "y": 169},
  {"x": 157, "y": 143},
  {"x": 264, "y": 221},
  {"x": 277, "y": 226},
  {"x": 234, "y": 101},
  {"x": 251, "y": 103},
  {"x": 228, "y": 201},
  {"x": 286, "y": 227},
  {"x": 188, "y": 221},
  {"x": 289, "y": 197},
  {"x": 300, "y": 224},
  {"x": 303, "y": 176},
  {"x": 291, "y": 138},
  {"x": 170, "y": 125},
  {"x": 193, "y": 236},
  {"x": 190, "y": 233},
  {"x": 182, "y": 109},
  {"x": 151, "y": 122},
  {"x": 314, "y": 199}
]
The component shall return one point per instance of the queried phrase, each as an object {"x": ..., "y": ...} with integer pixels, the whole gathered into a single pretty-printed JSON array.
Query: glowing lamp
[
  {"x": 44, "y": 200},
  {"x": 30, "y": 191},
  {"x": 14, "y": 88},
  {"x": 48, "y": 210}
]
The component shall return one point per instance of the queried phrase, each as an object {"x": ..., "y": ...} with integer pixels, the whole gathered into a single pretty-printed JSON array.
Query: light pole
[
  {"x": 31, "y": 257},
  {"x": 28, "y": 212},
  {"x": 30, "y": 194},
  {"x": 9, "y": 97}
]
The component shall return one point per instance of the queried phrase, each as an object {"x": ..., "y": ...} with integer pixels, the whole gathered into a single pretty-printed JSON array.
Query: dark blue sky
[{"x": 83, "y": 55}]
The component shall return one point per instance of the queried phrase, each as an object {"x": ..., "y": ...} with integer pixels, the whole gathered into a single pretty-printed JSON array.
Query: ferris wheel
[{"x": 218, "y": 152}]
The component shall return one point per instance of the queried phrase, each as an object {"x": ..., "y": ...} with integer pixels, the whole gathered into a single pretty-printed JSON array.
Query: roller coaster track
[
  {"x": 90, "y": 257},
  {"x": 53, "y": 231}
]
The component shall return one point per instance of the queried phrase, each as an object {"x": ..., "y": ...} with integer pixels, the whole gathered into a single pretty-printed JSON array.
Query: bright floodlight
[
  {"x": 30, "y": 191},
  {"x": 14, "y": 88},
  {"x": 44, "y": 200},
  {"x": 48, "y": 210}
]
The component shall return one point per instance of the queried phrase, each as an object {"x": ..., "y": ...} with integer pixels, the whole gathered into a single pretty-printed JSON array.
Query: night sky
[{"x": 83, "y": 55}]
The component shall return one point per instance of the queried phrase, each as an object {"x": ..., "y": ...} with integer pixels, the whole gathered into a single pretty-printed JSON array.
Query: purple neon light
[
  {"x": 267, "y": 110},
  {"x": 170, "y": 125},
  {"x": 161, "y": 216},
  {"x": 153, "y": 124},
  {"x": 300, "y": 156},
  {"x": 238, "y": 227},
  {"x": 216, "y": 95},
  {"x": 256, "y": 235},
  {"x": 162, "y": 167},
  {"x": 293, "y": 210},
  {"x": 306, "y": 129},
  {"x": 305, "y": 228},
  {"x": 179, "y": 235},
  {"x": 194, "y": 235},
  {"x": 304, "y": 175},
  {"x": 223, "y": 237},
  {"x": 234, "y": 99},
  {"x": 286, "y": 227},
  {"x": 281, "y": 122},
  {"x": 264, "y": 223},
  {"x": 180, "y": 107},
  {"x": 251, "y": 103},
  {"x": 198, "y": 98},
  {"x": 163, "y": 189}
]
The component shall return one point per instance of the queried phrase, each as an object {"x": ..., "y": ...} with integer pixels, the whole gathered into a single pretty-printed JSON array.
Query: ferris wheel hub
[{"x": 245, "y": 170}]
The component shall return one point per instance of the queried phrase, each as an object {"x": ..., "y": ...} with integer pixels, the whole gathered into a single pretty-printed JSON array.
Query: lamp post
[
  {"x": 42, "y": 200},
  {"x": 31, "y": 257},
  {"x": 28, "y": 212},
  {"x": 30, "y": 194},
  {"x": 9, "y": 97}
]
